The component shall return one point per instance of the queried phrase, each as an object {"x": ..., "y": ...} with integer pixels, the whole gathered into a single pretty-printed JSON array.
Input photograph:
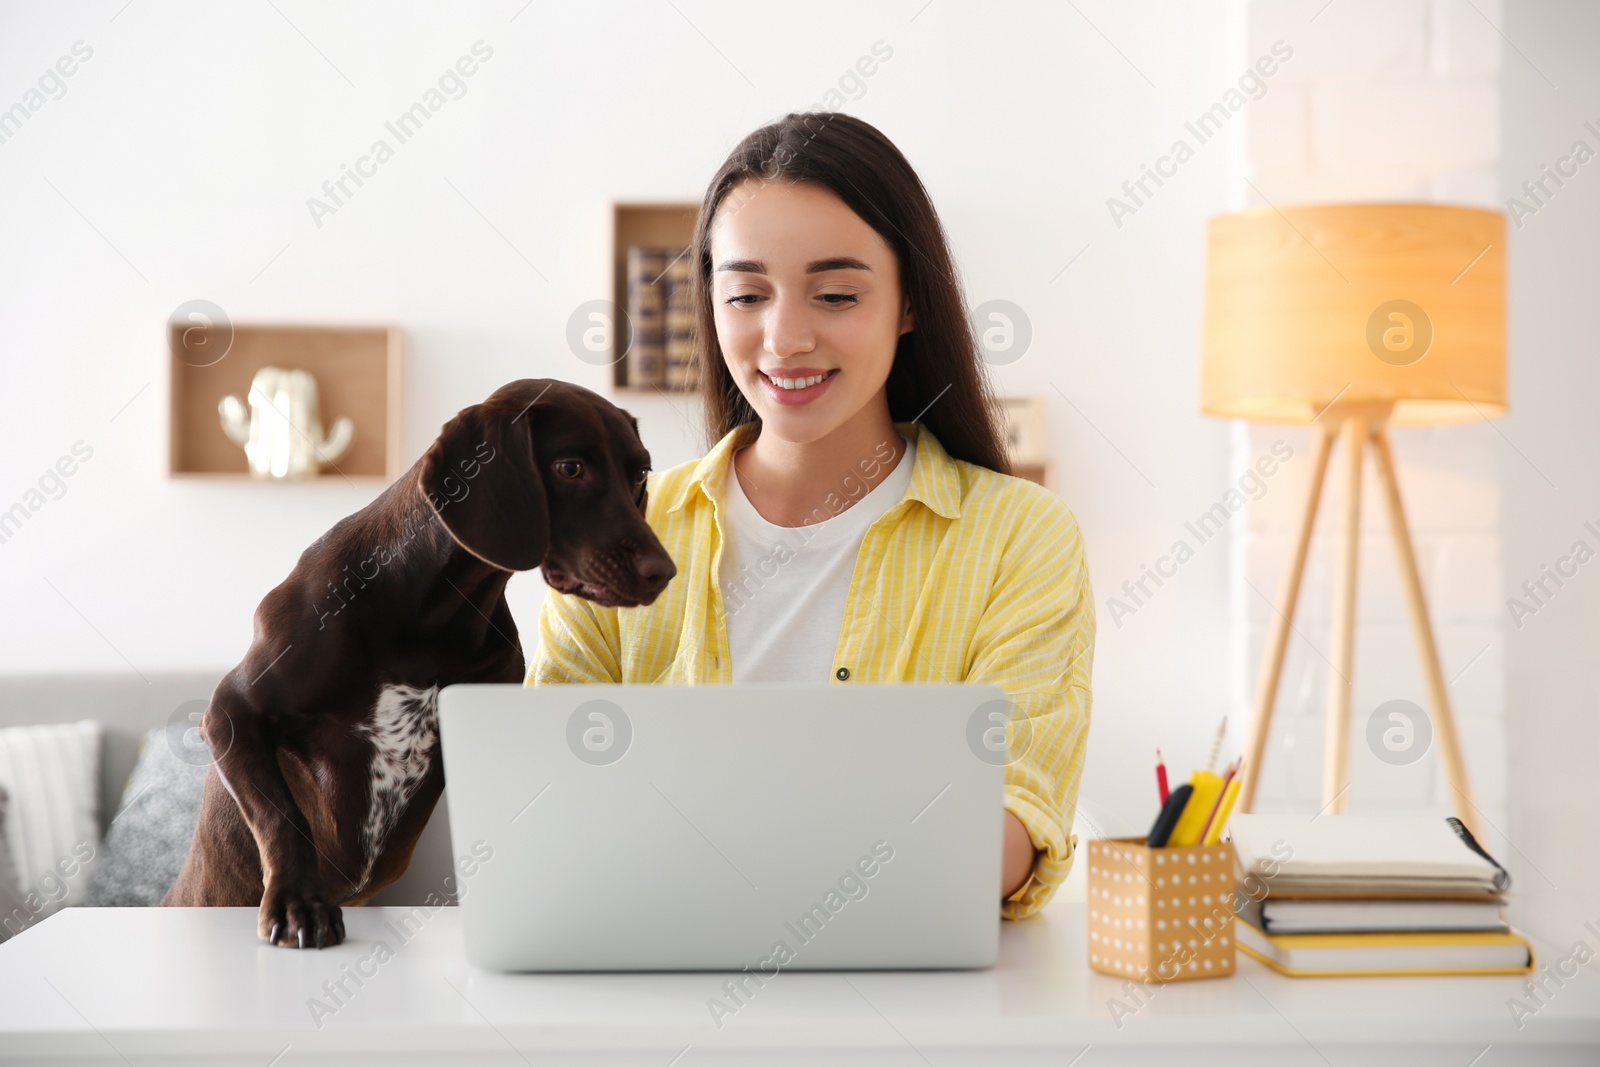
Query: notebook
[
  {"x": 1363, "y": 855},
  {"x": 1459, "y": 952},
  {"x": 1304, "y": 916}
]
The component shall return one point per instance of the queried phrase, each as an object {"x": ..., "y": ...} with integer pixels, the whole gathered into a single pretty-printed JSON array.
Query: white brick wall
[
  {"x": 1425, "y": 126},
  {"x": 1383, "y": 99},
  {"x": 1348, "y": 40},
  {"x": 1462, "y": 43}
]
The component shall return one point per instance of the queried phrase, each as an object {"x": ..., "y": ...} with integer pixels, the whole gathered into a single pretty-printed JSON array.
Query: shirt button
[{"x": 843, "y": 674}]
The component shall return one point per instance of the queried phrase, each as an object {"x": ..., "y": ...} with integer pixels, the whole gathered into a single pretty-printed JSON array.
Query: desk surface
[{"x": 129, "y": 985}]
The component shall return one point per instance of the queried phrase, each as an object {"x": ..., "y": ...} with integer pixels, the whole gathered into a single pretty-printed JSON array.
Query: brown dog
[{"x": 324, "y": 741}]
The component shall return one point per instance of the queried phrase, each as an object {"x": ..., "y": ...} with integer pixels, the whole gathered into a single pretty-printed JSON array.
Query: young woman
[{"x": 854, "y": 520}]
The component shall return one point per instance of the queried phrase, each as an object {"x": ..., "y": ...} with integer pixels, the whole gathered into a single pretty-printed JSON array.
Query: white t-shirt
[{"x": 784, "y": 587}]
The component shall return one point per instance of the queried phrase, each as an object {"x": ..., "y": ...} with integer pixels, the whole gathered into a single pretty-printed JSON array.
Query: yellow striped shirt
[{"x": 973, "y": 576}]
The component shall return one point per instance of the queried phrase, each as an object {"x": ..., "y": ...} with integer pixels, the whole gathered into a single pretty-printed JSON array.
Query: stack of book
[
  {"x": 661, "y": 353},
  {"x": 1371, "y": 894}
]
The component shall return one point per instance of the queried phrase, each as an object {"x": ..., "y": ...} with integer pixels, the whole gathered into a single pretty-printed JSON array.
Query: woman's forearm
[{"x": 1018, "y": 855}]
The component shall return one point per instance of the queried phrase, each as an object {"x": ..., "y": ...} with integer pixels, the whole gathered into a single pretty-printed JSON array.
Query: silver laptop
[{"x": 659, "y": 827}]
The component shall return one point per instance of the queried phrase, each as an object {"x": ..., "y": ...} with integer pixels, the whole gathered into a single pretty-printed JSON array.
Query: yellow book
[
  {"x": 1206, "y": 787},
  {"x": 1214, "y": 831},
  {"x": 1433, "y": 952}
]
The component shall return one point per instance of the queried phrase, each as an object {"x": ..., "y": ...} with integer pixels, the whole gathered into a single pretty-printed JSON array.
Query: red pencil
[{"x": 1161, "y": 777}]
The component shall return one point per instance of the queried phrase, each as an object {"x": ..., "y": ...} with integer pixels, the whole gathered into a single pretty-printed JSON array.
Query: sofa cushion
[
  {"x": 14, "y": 913},
  {"x": 148, "y": 839},
  {"x": 52, "y": 823}
]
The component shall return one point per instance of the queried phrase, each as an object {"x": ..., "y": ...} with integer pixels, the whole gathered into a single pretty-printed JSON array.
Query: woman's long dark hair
[{"x": 937, "y": 374}]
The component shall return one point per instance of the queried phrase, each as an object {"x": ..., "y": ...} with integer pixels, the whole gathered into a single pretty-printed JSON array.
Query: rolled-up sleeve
[
  {"x": 578, "y": 642},
  {"x": 1036, "y": 641}
]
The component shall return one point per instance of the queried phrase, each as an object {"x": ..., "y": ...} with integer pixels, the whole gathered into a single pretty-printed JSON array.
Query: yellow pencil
[{"x": 1214, "y": 834}]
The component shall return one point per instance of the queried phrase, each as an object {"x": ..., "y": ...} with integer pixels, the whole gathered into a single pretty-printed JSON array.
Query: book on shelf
[
  {"x": 679, "y": 323},
  {"x": 646, "y": 360}
]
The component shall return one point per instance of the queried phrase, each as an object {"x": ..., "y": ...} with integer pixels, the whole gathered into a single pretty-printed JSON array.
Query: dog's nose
[{"x": 656, "y": 571}]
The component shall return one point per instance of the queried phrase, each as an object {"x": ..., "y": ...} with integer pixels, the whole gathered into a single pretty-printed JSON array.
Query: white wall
[
  {"x": 1549, "y": 485},
  {"x": 178, "y": 163}
]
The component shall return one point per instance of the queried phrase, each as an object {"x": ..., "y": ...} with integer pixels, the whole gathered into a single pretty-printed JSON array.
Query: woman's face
[{"x": 803, "y": 289}]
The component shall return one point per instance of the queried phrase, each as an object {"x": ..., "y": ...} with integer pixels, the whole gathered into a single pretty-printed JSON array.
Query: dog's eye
[
  {"x": 644, "y": 473},
  {"x": 568, "y": 468}
]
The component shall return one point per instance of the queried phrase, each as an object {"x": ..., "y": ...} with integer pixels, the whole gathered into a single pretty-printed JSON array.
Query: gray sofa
[{"x": 130, "y": 706}]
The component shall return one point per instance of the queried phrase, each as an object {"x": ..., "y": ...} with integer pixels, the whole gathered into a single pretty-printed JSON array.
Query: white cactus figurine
[{"x": 282, "y": 434}]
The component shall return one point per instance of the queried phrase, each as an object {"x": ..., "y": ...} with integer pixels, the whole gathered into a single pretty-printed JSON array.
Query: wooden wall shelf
[
  {"x": 1025, "y": 437},
  {"x": 357, "y": 369},
  {"x": 661, "y": 223}
]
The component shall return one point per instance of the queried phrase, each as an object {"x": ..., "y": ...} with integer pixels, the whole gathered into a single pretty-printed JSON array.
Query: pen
[
  {"x": 1161, "y": 777},
  {"x": 1167, "y": 818}
]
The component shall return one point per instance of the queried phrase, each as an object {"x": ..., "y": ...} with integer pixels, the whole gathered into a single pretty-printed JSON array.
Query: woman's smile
[{"x": 798, "y": 385}]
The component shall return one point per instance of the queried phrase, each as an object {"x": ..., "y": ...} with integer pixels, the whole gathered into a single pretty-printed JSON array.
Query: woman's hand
[{"x": 1017, "y": 856}]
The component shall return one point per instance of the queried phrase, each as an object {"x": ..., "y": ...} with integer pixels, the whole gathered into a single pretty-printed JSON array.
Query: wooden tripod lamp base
[
  {"x": 1355, "y": 428},
  {"x": 1354, "y": 318}
]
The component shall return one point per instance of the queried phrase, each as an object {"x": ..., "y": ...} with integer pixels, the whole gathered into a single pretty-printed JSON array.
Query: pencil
[
  {"x": 1213, "y": 833},
  {"x": 1216, "y": 746},
  {"x": 1161, "y": 777},
  {"x": 1222, "y": 792}
]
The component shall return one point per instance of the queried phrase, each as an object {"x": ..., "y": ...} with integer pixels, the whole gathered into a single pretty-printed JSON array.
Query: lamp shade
[{"x": 1370, "y": 304}]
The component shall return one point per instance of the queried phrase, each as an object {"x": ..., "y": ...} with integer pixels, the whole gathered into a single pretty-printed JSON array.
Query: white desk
[{"x": 135, "y": 985}]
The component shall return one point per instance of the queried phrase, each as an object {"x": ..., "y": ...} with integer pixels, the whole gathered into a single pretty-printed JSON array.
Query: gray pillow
[{"x": 149, "y": 837}]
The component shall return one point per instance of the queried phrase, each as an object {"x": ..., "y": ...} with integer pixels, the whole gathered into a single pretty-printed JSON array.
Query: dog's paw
[{"x": 299, "y": 917}]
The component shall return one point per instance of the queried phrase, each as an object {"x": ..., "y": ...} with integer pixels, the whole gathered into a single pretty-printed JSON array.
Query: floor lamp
[{"x": 1354, "y": 318}]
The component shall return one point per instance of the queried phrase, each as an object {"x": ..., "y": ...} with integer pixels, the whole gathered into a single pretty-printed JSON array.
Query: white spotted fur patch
[{"x": 404, "y": 731}]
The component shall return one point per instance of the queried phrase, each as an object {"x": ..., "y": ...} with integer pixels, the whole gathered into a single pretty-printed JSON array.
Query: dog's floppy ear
[{"x": 481, "y": 478}]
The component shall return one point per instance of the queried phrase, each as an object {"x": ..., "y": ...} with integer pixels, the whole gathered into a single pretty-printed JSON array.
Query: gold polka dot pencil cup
[{"x": 1161, "y": 914}]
